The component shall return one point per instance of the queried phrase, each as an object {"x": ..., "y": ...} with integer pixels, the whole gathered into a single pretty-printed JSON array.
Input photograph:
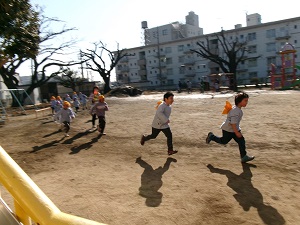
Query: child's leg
[
  {"x": 67, "y": 126},
  {"x": 93, "y": 119},
  {"x": 168, "y": 134},
  {"x": 153, "y": 135},
  {"x": 227, "y": 136},
  {"x": 102, "y": 123},
  {"x": 242, "y": 145}
]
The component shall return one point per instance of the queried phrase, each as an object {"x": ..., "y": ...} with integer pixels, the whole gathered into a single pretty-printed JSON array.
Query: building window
[
  {"x": 181, "y": 59},
  {"x": 251, "y": 36},
  {"x": 165, "y": 32},
  {"x": 271, "y": 33},
  {"x": 252, "y": 49},
  {"x": 271, "y": 47},
  {"x": 168, "y": 50},
  {"x": 252, "y": 62},
  {"x": 170, "y": 71},
  {"x": 295, "y": 26},
  {"x": 169, "y": 61},
  {"x": 271, "y": 60},
  {"x": 252, "y": 75},
  {"x": 295, "y": 41},
  {"x": 181, "y": 70},
  {"x": 180, "y": 48}
]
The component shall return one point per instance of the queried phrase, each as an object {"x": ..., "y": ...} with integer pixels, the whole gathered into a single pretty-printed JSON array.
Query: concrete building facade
[{"x": 166, "y": 58}]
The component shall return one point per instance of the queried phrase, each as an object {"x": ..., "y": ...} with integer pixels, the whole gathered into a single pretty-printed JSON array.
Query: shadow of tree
[
  {"x": 85, "y": 146},
  {"x": 151, "y": 181},
  {"x": 247, "y": 195},
  {"x": 50, "y": 144}
]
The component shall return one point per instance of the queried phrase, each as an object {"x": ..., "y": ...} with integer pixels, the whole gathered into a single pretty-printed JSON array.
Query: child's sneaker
[
  {"x": 208, "y": 138},
  {"x": 67, "y": 135},
  {"x": 247, "y": 158}
]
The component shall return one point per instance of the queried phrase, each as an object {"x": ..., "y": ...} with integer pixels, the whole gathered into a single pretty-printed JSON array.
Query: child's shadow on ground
[
  {"x": 151, "y": 181},
  {"x": 77, "y": 136},
  {"x": 50, "y": 144},
  {"x": 85, "y": 146},
  {"x": 247, "y": 195}
]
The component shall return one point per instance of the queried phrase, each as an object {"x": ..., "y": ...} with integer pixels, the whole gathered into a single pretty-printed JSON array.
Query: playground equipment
[
  {"x": 31, "y": 204},
  {"x": 286, "y": 79}
]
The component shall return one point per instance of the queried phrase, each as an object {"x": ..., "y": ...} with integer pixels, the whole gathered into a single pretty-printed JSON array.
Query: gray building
[{"x": 166, "y": 58}]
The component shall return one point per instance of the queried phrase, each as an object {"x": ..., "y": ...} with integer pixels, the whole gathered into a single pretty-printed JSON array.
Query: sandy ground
[{"x": 114, "y": 180}]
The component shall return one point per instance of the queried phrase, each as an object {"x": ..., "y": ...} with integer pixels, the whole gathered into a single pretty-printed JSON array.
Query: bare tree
[
  {"x": 227, "y": 54},
  {"x": 50, "y": 56},
  {"x": 70, "y": 79},
  {"x": 97, "y": 61}
]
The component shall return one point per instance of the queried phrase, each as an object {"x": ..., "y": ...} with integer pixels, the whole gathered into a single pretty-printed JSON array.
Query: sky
[{"x": 119, "y": 21}]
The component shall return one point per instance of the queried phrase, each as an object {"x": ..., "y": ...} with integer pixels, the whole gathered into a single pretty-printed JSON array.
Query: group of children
[
  {"x": 63, "y": 112},
  {"x": 230, "y": 127}
]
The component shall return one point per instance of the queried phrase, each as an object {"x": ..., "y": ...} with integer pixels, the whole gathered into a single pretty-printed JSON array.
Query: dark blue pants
[
  {"x": 102, "y": 123},
  {"x": 227, "y": 136},
  {"x": 167, "y": 133}
]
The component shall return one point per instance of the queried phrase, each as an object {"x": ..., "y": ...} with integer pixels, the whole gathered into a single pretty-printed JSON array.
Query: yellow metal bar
[
  {"x": 30, "y": 197},
  {"x": 22, "y": 216}
]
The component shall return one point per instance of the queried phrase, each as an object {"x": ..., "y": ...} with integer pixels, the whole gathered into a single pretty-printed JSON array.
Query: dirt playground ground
[{"x": 114, "y": 180}]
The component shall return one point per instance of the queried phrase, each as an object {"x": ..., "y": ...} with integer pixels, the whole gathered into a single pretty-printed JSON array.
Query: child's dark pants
[
  {"x": 227, "y": 136},
  {"x": 67, "y": 126},
  {"x": 167, "y": 133},
  {"x": 102, "y": 123}
]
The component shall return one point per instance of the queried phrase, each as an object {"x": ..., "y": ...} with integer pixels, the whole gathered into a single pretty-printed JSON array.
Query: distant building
[{"x": 166, "y": 58}]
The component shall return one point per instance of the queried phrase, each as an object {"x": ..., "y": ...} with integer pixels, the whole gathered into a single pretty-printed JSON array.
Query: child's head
[
  {"x": 169, "y": 98},
  {"x": 66, "y": 104},
  {"x": 58, "y": 97},
  {"x": 101, "y": 98},
  {"x": 241, "y": 99},
  {"x": 95, "y": 90},
  {"x": 53, "y": 98}
]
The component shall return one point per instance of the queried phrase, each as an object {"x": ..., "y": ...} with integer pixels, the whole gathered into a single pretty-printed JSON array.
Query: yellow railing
[{"x": 29, "y": 200}]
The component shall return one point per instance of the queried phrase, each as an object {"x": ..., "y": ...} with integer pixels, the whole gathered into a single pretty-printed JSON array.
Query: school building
[{"x": 166, "y": 58}]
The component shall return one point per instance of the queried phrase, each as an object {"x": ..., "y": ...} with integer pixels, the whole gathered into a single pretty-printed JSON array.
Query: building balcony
[
  {"x": 189, "y": 73},
  {"x": 123, "y": 79},
  {"x": 187, "y": 50},
  {"x": 124, "y": 69},
  {"x": 124, "y": 60},
  {"x": 162, "y": 76},
  {"x": 283, "y": 37},
  {"x": 142, "y": 62},
  {"x": 142, "y": 72},
  {"x": 189, "y": 62}
]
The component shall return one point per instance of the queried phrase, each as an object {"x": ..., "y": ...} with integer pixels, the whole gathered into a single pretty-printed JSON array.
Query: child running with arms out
[
  {"x": 231, "y": 127},
  {"x": 66, "y": 114},
  {"x": 100, "y": 107},
  {"x": 161, "y": 122}
]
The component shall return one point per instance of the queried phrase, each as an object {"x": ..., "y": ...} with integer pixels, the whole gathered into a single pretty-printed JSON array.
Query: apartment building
[{"x": 166, "y": 58}]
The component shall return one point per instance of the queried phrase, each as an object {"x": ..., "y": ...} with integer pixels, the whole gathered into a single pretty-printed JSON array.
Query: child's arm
[{"x": 236, "y": 131}]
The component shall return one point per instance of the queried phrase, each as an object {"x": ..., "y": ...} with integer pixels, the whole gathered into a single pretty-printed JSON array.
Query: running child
[
  {"x": 161, "y": 122},
  {"x": 76, "y": 104},
  {"x": 231, "y": 127},
  {"x": 65, "y": 115},
  {"x": 53, "y": 103},
  {"x": 100, "y": 107}
]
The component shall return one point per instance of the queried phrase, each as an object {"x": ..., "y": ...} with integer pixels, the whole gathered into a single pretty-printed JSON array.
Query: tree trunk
[{"x": 106, "y": 84}]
